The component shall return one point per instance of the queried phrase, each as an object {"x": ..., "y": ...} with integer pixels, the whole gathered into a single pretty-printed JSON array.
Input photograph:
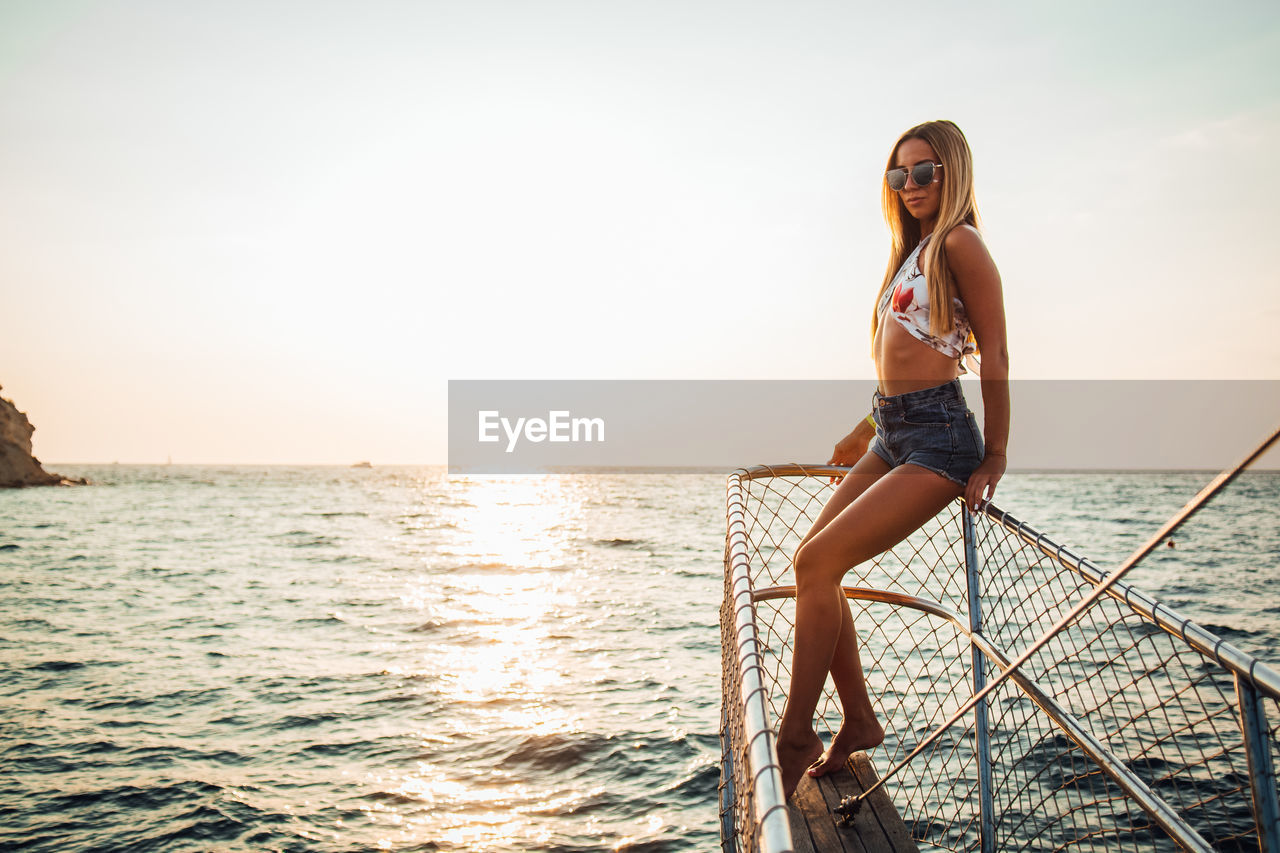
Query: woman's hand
[
  {"x": 853, "y": 446},
  {"x": 982, "y": 482}
]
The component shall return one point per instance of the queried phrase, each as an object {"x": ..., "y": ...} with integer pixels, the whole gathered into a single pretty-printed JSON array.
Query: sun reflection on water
[
  {"x": 499, "y": 669},
  {"x": 515, "y": 522},
  {"x": 519, "y": 529}
]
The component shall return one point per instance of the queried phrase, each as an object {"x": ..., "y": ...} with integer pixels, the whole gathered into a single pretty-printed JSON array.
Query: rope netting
[
  {"x": 738, "y": 824},
  {"x": 1165, "y": 713},
  {"x": 752, "y": 813}
]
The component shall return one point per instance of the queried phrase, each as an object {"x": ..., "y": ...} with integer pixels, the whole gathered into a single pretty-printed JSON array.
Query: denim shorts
[{"x": 932, "y": 428}]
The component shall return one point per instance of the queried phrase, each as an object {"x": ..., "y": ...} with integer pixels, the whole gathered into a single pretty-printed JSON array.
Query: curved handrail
[{"x": 790, "y": 469}]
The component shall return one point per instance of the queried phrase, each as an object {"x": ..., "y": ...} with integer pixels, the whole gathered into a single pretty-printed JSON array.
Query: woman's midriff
[{"x": 905, "y": 364}]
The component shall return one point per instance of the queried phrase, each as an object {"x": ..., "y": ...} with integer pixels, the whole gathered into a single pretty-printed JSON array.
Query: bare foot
[
  {"x": 846, "y": 742},
  {"x": 794, "y": 757}
]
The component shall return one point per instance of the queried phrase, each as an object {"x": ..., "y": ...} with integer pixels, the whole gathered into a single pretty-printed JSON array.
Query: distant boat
[{"x": 362, "y": 465}]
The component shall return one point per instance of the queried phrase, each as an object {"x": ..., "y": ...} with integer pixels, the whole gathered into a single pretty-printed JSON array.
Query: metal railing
[{"x": 1134, "y": 728}]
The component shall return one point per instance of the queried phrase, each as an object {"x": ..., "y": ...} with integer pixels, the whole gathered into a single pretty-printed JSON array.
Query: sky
[{"x": 272, "y": 232}]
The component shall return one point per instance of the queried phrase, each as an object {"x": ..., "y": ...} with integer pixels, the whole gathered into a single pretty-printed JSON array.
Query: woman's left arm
[{"x": 978, "y": 285}]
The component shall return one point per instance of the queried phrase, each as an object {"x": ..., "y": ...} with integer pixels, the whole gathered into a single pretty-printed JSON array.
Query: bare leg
[
  {"x": 860, "y": 728},
  {"x": 884, "y": 514},
  {"x": 865, "y": 472}
]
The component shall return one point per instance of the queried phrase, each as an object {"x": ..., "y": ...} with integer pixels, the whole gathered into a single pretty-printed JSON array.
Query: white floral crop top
[{"x": 908, "y": 297}]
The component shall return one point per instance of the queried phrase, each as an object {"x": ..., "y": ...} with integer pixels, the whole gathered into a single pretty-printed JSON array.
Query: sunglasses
[{"x": 921, "y": 173}]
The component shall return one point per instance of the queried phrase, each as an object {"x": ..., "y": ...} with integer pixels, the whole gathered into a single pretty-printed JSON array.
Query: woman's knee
[{"x": 816, "y": 566}]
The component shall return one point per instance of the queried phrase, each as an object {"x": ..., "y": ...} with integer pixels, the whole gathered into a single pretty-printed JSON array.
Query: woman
[{"x": 941, "y": 292}]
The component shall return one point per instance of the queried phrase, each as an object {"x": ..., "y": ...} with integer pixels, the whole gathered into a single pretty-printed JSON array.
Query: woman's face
[{"x": 922, "y": 202}]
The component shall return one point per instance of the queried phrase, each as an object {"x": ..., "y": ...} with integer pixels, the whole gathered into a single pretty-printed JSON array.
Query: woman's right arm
[
  {"x": 853, "y": 446},
  {"x": 978, "y": 284}
]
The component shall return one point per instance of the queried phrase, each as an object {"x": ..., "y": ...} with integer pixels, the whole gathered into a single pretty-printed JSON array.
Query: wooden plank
[
  {"x": 863, "y": 824},
  {"x": 811, "y": 804},
  {"x": 852, "y": 833},
  {"x": 895, "y": 831},
  {"x": 876, "y": 828},
  {"x": 801, "y": 837}
]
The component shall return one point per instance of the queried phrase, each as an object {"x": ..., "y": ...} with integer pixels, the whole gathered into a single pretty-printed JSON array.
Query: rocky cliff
[{"x": 17, "y": 466}]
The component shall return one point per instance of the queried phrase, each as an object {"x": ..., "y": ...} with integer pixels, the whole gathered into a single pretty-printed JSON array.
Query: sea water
[{"x": 332, "y": 659}]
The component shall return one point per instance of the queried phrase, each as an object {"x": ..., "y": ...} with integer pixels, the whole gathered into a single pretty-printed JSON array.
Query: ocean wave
[
  {"x": 116, "y": 704},
  {"x": 1229, "y": 633},
  {"x": 597, "y": 802},
  {"x": 307, "y": 539},
  {"x": 697, "y": 784},
  {"x": 179, "y": 755},
  {"x": 672, "y": 840},
  {"x": 304, "y": 721},
  {"x": 562, "y": 751},
  {"x": 57, "y": 665},
  {"x": 327, "y": 619},
  {"x": 395, "y": 798},
  {"x": 431, "y": 626}
]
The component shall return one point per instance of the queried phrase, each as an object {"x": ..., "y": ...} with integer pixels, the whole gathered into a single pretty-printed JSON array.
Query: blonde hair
[{"x": 957, "y": 206}]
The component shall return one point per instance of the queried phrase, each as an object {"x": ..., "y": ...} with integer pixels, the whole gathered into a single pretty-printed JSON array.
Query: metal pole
[
  {"x": 980, "y": 726},
  {"x": 1262, "y": 774}
]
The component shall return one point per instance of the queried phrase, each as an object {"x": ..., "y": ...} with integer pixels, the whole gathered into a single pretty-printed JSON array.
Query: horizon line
[{"x": 709, "y": 469}]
